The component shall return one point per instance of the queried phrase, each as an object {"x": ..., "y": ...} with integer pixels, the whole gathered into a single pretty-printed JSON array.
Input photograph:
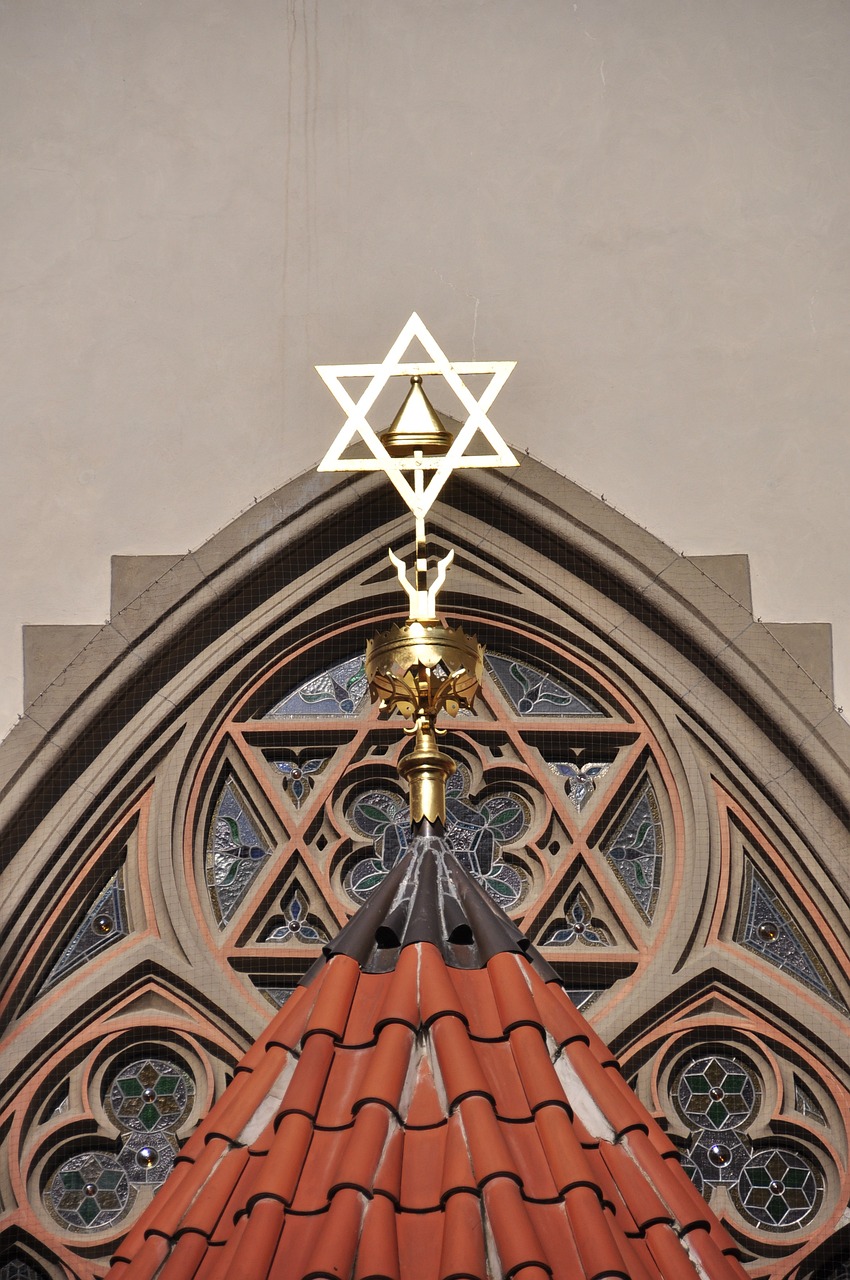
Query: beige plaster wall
[{"x": 644, "y": 203}]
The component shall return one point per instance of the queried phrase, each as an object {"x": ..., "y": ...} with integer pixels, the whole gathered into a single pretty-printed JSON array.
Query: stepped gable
[{"x": 428, "y": 1105}]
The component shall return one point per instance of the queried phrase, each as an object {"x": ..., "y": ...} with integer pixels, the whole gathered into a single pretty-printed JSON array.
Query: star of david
[{"x": 419, "y": 496}]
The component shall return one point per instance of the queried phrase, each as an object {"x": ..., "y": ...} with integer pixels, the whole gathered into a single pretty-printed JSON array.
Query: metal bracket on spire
[{"x": 423, "y": 600}]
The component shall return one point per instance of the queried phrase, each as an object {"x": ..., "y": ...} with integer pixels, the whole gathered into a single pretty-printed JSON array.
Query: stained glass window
[
  {"x": 776, "y": 1187},
  {"x": 533, "y": 692},
  {"x": 340, "y": 691},
  {"x": 89, "y": 1191},
  {"x": 576, "y": 925},
  {"x": 779, "y": 1189},
  {"x": 296, "y": 923},
  {"x": 475, "y": 833},
  {"x": 580, "y": 778},
  {"x": 150, "y": 1094},
  {"x": 235, "y": 852},
  {"x": 765, "y": 925},
  {"x": 104, "y": 924},
  {"x": 636, "y": 850}
]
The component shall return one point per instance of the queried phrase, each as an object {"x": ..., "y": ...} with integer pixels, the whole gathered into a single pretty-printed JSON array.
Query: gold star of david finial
[{"x": 418, "y": 444}]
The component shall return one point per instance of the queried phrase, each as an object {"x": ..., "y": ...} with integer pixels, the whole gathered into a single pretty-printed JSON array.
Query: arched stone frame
[{"x": 111, "y": 764}]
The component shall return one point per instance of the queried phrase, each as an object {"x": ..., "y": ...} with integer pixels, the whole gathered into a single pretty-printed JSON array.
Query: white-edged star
[{"x": 419, "y": 497}]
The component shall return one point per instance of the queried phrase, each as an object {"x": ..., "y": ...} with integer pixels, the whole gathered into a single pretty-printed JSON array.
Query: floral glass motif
[
  {"x": 534, "y": 693},
  {"x": 636, "y": 851},
  {"x": 296, "y": 925},
  {"x": 298, "y": 777},
  {"x": 235, "y": 853},
  {"x": 150, "y": 1094},
  {"x": 765, "y": 926},
  {"x": 105, "y": 923},
  {"x": 576, "y": 925},
  {"x": 475, "y": 835},
  {"x": 340, "y": 691},
  {"x": 779, "y": 1189},
  {"x": 580, "y": 778},
  {"x": 89, "y": 1191}
]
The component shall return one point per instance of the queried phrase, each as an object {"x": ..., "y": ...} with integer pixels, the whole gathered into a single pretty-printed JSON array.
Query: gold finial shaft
[{"x": 425, "y": 770}]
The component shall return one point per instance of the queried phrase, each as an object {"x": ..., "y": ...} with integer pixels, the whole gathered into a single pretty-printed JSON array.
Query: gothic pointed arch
[{"x": 209, "y": 780}]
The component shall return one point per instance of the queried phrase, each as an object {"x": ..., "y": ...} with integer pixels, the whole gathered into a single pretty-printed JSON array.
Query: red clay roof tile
[
  {"x": 388, "y": 1177},
  {"x": 424, "y": 1108},
  {"x": 457, "y": 1167},
  {"x": 420, "y": 1241},
  {"x": 516, "y": 1241},
  {"x": 422, "y": 1169},
  {"x": 475, "y": 994},
  {"x": 567, "y": 1158},
  {"x": 509, "y": 978},
  {"x": 366, "y": 1008},
  {"x": 388, "y": 1062},
  {"x": 329, "y": 1014},
  {"x": 462, "y": 1254},
  {"x": 377, "y": 1254},
  {"x": 592, "y": 1230},
  {"x": 437, "y": 993},
  {"x": 528, "y": 1159}
]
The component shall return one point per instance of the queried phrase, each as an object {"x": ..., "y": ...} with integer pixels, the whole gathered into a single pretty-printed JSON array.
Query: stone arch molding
[{"x": 700, "y": 760}]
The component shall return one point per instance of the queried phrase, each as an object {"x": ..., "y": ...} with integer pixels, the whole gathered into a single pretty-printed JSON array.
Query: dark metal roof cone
[{"x": 417, "y": 425}]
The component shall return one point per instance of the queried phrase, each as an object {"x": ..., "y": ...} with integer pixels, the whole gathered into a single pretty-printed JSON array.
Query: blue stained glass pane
[
  {"x": 533, "y": 692},
  {"x": 765, "y": 926},
  {"x": 340, "y": 691},
  {"x": 235, "y": 853},
  {"x": 636, "y": 851},
  {"x": 105, "y": 923}
]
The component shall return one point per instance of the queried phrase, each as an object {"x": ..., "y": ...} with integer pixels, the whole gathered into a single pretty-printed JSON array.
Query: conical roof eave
[{"x": 412, "y": 1114}]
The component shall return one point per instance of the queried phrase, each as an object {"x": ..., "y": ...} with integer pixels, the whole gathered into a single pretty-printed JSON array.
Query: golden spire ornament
[{"x": 422, "y": 667}]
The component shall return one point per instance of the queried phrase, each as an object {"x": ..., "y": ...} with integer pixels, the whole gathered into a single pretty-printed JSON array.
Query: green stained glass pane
[
  {"x": 109, "y": 1179},
  {"x": 697, "y": 1084},
  {"x": 795, "y": 1177},
  {"x": 735, "y": 1084},
  {"x": 759, "y": 1177},
  {"x": 149, "y": 1115},
  {"x": 717, "y": 1113},
  {"x": 167, "y": 1084},
  {"x": 776, "y": 1208},
  {"x": 131, "y": 1088},
  {"x": 88, "y": 1210},
  {"x": 73, "y": 1181}
]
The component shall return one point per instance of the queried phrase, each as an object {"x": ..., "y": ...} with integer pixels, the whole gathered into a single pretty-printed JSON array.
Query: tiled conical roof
[{"x": 428, "y": 1105}]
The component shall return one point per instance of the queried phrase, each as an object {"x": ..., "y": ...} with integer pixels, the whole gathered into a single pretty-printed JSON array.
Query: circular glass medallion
[
  {"x": 150, "y": 1095},
  {"x": 716, "y": 1093},
  {"x": 89, "y": 1192},
  {"x": 779, "y": 1189}
]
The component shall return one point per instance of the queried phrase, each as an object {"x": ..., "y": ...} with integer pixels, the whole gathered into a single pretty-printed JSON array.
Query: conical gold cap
[{"x": 416, "y": 426}]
